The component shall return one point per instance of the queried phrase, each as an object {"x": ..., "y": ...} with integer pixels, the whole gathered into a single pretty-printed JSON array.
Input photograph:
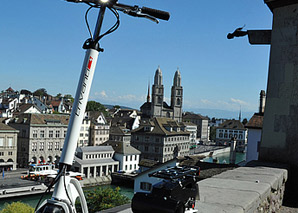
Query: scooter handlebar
[
  {"x": 144, "y": 10},
  {"x": 156, "y": 13}
]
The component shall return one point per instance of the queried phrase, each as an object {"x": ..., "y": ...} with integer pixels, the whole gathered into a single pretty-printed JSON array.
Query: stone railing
[
  {"x": 242, "y": 190},
  {"x": 245, "y": 189}
]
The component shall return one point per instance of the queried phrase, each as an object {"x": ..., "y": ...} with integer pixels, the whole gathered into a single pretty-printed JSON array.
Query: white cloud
[
  {"x": 103, "y": 94},
  {"x": 238, "y": 101}
]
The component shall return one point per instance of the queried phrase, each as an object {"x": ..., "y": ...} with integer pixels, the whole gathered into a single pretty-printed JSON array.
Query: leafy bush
[
  {"x": 17, "y": 207},
  {"x": 104, "y": 198}
]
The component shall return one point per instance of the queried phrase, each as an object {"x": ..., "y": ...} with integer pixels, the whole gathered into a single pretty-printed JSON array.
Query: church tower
[
  {"x": 176, "y": 97},
  {"x": 157, "y": 94}
]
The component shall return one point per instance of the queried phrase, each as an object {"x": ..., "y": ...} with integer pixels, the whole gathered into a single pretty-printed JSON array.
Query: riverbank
[{"x": 32, "y": 200}]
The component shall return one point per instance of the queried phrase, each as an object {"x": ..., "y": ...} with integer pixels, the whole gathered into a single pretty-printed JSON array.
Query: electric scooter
[{"x": 68, "y": 189}]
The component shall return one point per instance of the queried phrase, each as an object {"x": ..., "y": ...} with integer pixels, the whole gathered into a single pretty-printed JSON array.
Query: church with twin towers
[{"x": 156, "y": 106}]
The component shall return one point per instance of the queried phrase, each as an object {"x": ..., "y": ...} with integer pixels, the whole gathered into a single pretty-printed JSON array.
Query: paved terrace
[{"x": 243, "y": 189}]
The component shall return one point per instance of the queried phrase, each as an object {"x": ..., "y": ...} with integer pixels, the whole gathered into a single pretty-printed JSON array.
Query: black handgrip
[{"x": 156, "y": 13}]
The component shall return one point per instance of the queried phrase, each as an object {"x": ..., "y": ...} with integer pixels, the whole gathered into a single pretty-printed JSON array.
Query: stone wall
[
  {"x": 245, "y": 189},
  {"x": 256, "y": 189}
]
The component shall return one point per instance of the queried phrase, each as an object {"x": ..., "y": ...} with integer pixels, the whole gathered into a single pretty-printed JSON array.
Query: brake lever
[{"x": 141, "y": 15}]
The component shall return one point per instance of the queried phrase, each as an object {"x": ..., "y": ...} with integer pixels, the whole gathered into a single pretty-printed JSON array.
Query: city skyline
[{"x": 41, "y": 48}]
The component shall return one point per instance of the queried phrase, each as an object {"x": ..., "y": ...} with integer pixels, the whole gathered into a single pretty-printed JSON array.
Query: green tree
[
  {"x": 244, "y": 121},
  {"x": 104, "y": 198},
  {"x": 212, "y": 135},
  {"x": 17, "y": 207},
  {"x": 96, "y": 106},
  {"x": 59, "y": 95},
  {"x": 40, "y": 92},
  {"x": 69, "y": 97},
  {"x": 116, "y": 107}
]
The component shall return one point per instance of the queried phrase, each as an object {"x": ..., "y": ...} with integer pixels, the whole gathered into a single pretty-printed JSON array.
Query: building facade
[
  {"x": 128, "y": 156},
  {"x": 95, "y": 161},
  {"x": 99, "y": 128},
  {"x": 41, "y": 137},
  {"x": 8, "y": 147},
  {"x": 161, "y": 139},
  {"x": 157, "y": 107},
  {"x": 255, "y": 126},
  {"x": 232, "y": 129},
  {"x": 84, "y": 132},
  {"x": 202, "y": 125}
]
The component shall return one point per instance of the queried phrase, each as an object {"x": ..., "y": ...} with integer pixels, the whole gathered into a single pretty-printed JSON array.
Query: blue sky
[{"x": 41, "y": 44}]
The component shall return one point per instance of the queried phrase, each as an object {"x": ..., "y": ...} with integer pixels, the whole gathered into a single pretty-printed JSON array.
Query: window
[
  {"x": 156, "y": 139},
  {"x": 1, "y": 153},
  {"x": 42, "y": 133},
  {"x": 130, "y": 167},
  {"x": 146, "y": 148},
  {"x": 34, "y": 147},
  {"x": 81, "y": 134},
  {"x": 145, "y": 186},
  {"x": 51, "y": 133},
  {"x": 10, "y": 145},
  {"x": 41, "y": 146},
  {"x": 34, "y": 133},
  {"x": 156, "y": 149},
  {"x": 9, "y": 153},
  {"x": 50, "y": 146},
  {"x": 64, "y": 133},
  {"x": 1, "y": 142},
  {"x": 57, "y": 146},
  {"x": 58, "y": 134}
]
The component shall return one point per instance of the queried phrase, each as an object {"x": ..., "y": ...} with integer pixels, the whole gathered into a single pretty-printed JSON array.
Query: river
[
  {"x": 225, "y": 157},
  {"x": 32, "y": 200}
]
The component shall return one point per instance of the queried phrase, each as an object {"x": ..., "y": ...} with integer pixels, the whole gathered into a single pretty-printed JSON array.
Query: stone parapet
[
  {"x": 245, "y": 189},
  {"x": 242, "y": 190}
]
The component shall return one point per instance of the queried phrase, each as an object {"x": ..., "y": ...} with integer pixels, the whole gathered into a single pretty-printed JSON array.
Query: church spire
[
  {"x": 158, "y": 77},
  {"x": 148, "y": 95},
  {"x": 177, "y": 78},
  {"x": 240, "y": 114}
]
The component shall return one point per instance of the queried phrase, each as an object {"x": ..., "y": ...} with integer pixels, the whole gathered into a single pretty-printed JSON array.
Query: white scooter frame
[{"x": 68, "y": 189}]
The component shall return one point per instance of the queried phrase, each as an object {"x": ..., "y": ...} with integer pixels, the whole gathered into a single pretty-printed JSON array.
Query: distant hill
[
  {"x": 109, "y": 106},
  {"x": 218, "y": 113}
]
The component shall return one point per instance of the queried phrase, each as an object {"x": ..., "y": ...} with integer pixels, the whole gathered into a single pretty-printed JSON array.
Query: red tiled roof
[{"x": 256, "y": 121}]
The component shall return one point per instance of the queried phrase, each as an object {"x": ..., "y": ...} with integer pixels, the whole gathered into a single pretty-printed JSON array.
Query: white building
[
  {"x": 95, "y": 161},
  {"x": 232, "y": 129},
  {"x": 84, "y": 133},
  {"x": 192, "y": 129},
  {"x": 99, "y": 128},
  {"x": 8, "y": 147},
  {"x": 254, "y": 126},
  {"x": 201, "y": 122},
  {"x": 128, "y": 156}
]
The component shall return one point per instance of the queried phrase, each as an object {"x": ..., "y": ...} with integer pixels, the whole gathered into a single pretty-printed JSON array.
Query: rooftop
[{"x": 256, "y": 121}]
